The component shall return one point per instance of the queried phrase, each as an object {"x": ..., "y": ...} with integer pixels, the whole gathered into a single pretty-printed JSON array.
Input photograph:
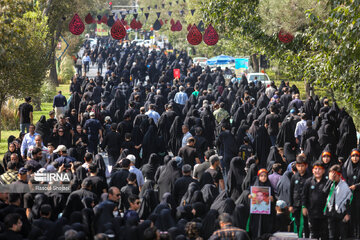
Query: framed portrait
[{"x": 260, "y": 200}]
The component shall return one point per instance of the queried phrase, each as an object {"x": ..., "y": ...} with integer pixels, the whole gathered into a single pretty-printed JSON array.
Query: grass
[{"x": 46, "y": 107}]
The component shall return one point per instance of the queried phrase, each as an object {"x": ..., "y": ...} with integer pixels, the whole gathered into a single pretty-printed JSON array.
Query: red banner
[{"x": 177, "y": 73}]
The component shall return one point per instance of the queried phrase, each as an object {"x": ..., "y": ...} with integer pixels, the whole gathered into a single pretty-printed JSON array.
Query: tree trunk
[
  {"x": 255, "y": 63},
  {"x": 37, "y": 103},
  {"x": 47, "y": 8},
  {"x": 53, "y": 74},
  {"x": 307, "y": 88},
  {"x": 1, "y": 105}
]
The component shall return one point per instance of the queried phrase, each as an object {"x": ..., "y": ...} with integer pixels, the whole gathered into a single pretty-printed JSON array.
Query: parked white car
[{"x": 263, "y": 77}]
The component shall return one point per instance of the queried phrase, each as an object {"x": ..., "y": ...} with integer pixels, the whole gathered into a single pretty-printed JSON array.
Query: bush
[
  {"x": 9, "y": 115},
  {"x": 67, "y": 70},
  {"x": 47, "y": 92}
]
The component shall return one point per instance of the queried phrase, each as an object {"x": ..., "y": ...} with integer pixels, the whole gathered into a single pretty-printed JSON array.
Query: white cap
[
  {"x": 61, "y": 148},
  {"x": 131, "y": 157}
]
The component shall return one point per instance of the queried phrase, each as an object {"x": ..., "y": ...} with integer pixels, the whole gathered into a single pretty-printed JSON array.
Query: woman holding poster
[{"x": 262, "y": 206}]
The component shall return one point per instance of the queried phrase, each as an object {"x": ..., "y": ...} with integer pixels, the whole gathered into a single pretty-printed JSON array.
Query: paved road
[{"x": 91, "y": 74}]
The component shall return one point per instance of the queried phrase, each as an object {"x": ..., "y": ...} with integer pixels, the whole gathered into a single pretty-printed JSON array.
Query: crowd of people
[{"x": 181, "y": 156}]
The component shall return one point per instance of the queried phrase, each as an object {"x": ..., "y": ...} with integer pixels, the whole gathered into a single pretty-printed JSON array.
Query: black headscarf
[
  {"x": 150, "y": 168},
  {"x": 188, "y": 197},
  {"x": 274, "y": 157},
  {"x": 176, "y": 135},
  {"x": 262, "y": 145},
  {"x": 150, "y": 143},
  {"x": 210, "y": 223},
  {"x": 148, "y": 204},
  {"x": 289, "y": 153},
  {"x": 240, "y": 216},
  {"x": 209, "y": 192},
  {"x": 168, "y": 177},
  {"x": 165, "y": 220},
  {"x": 236, "y": 176},
  {"x": 43, "y": 128}
]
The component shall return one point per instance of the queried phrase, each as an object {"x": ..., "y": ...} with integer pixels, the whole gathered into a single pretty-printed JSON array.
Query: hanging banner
[{"x": 102, "y": 30}]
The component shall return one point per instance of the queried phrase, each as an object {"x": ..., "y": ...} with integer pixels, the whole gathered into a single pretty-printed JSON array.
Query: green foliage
[
  {"x": 9, "y": 115},
  {"x": 67, "y": 70},
  {"x": 47, "y": 92},
  {"x": 22, "y": 49},
  {"x": 289, "y": 15}
]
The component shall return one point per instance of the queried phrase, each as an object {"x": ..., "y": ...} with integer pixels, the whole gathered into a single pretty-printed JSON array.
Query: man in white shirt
[
  {"x": 29, "y": 140},
  {"x": 300, "y": 128},
  {"x": 153, "y": 114},
  {"x": 133, "y": 169},
  {"x": 187, "y": 135}
]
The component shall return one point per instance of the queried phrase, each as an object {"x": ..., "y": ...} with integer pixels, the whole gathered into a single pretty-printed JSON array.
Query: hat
[
  {"x": 326, "y": 154},
  {"x": 107, "y": 118},
  {"x": 281, "y": 204},
  {"x": 92, "y": 114},
  {"x": 23, "y": 171},
  {"x": 131, "y": 157},
  {"x": 263, "y": 170},
  {"x": 186, "y": 168},
  {"x": 355, "y": 152},
  {"x": 61, "y": 148}
]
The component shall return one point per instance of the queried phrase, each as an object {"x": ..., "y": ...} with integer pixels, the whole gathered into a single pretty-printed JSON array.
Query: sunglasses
[
  {"x": 118, "y": 195},
  {"x": 137, "y": 203}
]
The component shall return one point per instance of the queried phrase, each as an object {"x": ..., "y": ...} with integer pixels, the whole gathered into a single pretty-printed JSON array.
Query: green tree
[{"x": 23, "y": 49}]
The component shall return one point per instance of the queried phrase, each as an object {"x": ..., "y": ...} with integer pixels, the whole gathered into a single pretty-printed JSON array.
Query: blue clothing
[
  {"x": 59, "y": 101},
  {"x": 92, "y": 127},
  {"x": 181, "y": 98},
  {"x": 131, "y": 214},
  {"x": 65, "y": 160},
  {"x": 139, "y": 175},
  {"x": 29, "y": 140}
]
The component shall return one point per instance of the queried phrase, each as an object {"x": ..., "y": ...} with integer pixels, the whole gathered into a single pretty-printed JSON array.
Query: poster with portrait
[{"x": 260, "y": 200}]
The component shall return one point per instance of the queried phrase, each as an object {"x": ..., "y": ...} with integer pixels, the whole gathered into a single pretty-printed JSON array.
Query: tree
[
  {"x": 59, "y": 14},
  {"x": 23, "y": 49}
]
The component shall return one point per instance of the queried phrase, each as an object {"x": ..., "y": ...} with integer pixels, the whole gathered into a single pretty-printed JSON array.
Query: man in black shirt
[
  {"x": 119, "y": 178},
  {"x": 272, "y": 124},
  {"x": 99, "y": 185},
  {"x": 26, "y": 115},
  {"x": 188, "y": 153},
  {"x": 130, "y": 189},
  {"x": 314, "y": 200},
  {"x": 215, "y": 172},
  {"x": 113, "y": 143},
  {"x": 182, "y": 183}
]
